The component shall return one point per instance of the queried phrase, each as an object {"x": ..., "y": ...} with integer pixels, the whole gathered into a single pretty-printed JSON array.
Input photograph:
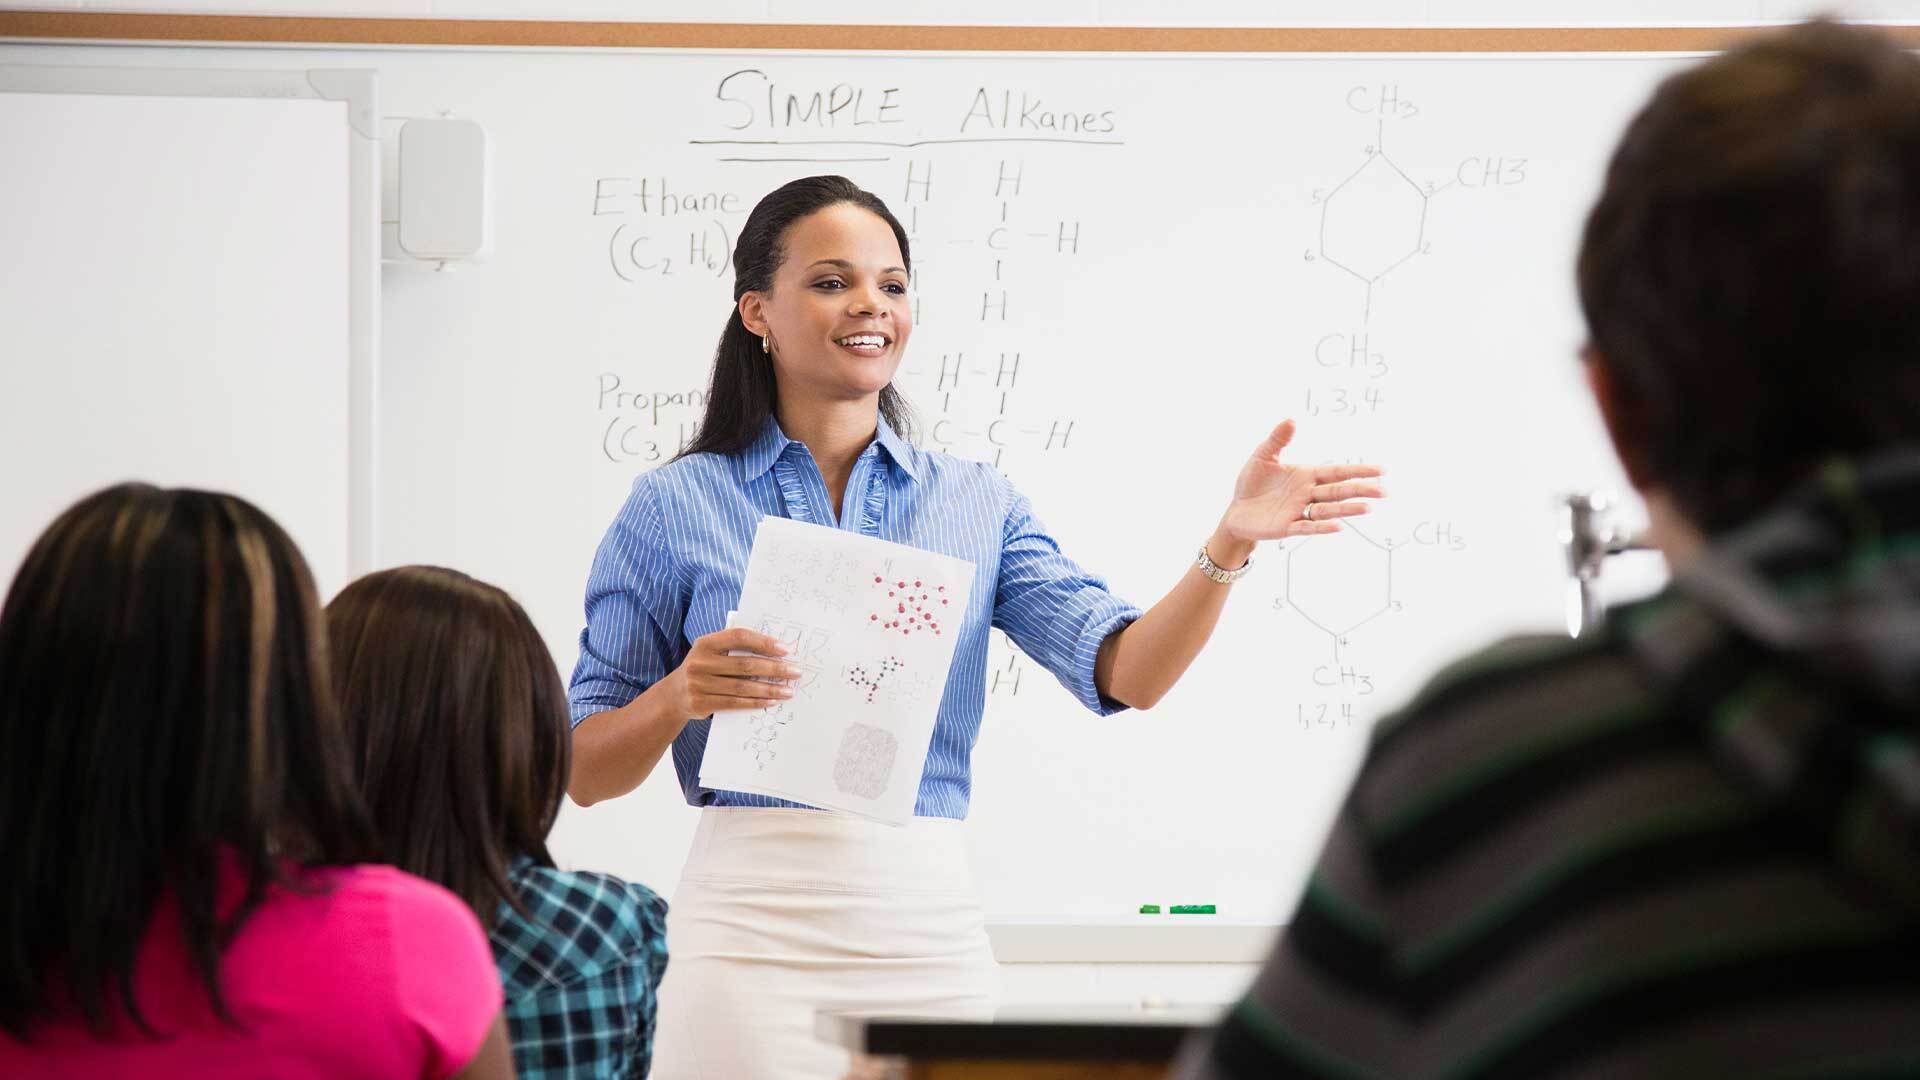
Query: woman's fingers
[
  {"x": 1351, "y": 489},
  {"x": 1327, "y": 474},
  {"x": 714, "y": 656},
  {"x": 753, "y": 667},
  {"x": 1323, "y": 511},
  {"x": 732, "y": 686},
  {"x": 744, "y": 639},
  {"x": 718, "y": 680},
  {"x": 745, "y": 666},
  {"x": 708, "y": 704}
]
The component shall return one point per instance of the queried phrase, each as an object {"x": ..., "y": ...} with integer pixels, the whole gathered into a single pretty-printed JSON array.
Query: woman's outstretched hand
[{"x": 1273, "y": 500}]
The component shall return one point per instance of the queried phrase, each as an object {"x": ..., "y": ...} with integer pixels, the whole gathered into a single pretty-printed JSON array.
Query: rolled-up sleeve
[
  {"x": 1057, "y": 612},
  {"x": 634, "y": 610}
]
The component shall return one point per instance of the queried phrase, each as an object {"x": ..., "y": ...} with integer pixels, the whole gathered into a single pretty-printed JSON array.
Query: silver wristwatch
[{"x": 1212, "y": 569}]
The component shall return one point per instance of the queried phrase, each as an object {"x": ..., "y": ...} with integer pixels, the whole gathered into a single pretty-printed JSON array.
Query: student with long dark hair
[
  {"x": 459, "y": 728},
  {"x": 784, "y": 909},
  {"x": 187, "y": 883}
]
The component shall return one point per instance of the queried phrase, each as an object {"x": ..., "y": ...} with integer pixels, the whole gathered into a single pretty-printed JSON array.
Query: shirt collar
[
  {"x": 896, "y": 447},
  {"x": 760, "y": 455}
]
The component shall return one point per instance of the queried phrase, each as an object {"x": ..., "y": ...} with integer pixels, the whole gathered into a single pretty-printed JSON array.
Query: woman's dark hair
[
  {"x": 1749, "y": 273},
  {"x": 742, "y": 395},
  {"x": 458, "y": 723},
  {"x": 164, "y": 706}
]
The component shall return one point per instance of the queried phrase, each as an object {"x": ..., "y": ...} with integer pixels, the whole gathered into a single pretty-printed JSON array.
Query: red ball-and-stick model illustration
[{"x": 909, "y": 607}]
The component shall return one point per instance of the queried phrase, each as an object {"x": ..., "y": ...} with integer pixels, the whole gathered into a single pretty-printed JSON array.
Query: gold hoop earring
[{"x": 766, "y": 343}]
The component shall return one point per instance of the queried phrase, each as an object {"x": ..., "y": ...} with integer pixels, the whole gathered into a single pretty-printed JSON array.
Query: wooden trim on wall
[{"x": 290, "y": 30}]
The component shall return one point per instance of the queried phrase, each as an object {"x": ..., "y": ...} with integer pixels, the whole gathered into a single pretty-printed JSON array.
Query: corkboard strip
[{"x": 285, "y": 30}]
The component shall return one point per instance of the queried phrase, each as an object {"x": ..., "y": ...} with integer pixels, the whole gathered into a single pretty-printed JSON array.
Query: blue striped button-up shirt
[{"x": 671, "y": 567}]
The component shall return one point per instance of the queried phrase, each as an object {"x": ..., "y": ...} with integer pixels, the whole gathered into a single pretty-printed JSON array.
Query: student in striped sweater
[{"x": 1689, "y": 846}]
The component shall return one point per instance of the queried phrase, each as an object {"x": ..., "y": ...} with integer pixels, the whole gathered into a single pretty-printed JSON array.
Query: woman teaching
[{"x": 783, "y": 909}]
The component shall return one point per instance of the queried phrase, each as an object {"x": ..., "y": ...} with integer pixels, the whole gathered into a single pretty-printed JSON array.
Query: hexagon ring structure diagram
[
  {"x": 1340, "y": 582},
  {"x": 1373, "y": 221}
]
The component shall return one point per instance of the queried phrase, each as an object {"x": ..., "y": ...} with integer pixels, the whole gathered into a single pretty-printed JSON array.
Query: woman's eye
[
  {"x": 895, "y": 288},
  {"x": 829, "y": 283}
]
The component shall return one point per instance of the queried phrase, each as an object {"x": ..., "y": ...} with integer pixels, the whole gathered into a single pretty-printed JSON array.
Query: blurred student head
[
  {"x": 1749, "y": 274},
  {"x": 164, "y": 706},
  {"x": 459, "y": 726}
]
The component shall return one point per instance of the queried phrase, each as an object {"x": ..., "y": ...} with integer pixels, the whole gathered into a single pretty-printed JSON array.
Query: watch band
[{"x": 1216, "y": 572}]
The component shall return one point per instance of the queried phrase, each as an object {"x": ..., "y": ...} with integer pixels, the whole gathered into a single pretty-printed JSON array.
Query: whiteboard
[
  {"x": 1128, "y": 268},
  {"x": 179, "y": 293}
]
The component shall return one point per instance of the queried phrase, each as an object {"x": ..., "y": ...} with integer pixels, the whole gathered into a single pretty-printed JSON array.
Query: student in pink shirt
[{"x": 187, "y": 891}]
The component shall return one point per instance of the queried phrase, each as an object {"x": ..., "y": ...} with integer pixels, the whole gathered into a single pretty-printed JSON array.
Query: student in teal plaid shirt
[
  {"x": 580, "y": 970},
  {"x": 461, "y": 736}
]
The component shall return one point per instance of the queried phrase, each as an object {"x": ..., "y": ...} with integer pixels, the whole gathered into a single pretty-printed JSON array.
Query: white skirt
[{"x": 783, "y": 912}]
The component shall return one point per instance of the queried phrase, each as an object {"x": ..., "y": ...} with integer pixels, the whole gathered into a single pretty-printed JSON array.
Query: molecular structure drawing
[
  {"x": 869, "y": 679},
  {"x": 763, "y": 733},
  {"x": 908, "y": 608},
  {"x": 1340, "y": 582},
  {"x": 1373, "y": 221}
]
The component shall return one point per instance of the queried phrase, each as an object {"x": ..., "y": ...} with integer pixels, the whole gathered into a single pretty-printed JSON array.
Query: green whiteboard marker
[
  {"x": 1149, "y": 909},
  {"x": 1191, "y": 909}
]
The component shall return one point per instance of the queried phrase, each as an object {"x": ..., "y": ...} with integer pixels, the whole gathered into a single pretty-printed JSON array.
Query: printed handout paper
[{"x": 871, "y": 625}]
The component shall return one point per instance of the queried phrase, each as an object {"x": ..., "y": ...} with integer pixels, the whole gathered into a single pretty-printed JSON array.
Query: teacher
[{"x": 783, "y": 909}]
